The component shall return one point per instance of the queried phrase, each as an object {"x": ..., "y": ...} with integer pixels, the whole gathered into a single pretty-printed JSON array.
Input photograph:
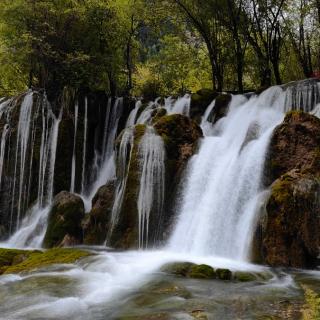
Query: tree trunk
[{"x": 240, "y": 70}]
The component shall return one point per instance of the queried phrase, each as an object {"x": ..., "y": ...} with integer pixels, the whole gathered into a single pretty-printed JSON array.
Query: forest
[{"x": 157, "y": 47}]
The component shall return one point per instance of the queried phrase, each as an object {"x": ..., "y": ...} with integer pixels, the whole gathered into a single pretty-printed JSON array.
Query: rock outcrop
[
  {"x": 289, "y": 231},
  {"x": 64, "y": 223},
  {"x": 199, "y": 103},
  {"x": 96, "y": 223},
  {"x": 180, "y": 135}
]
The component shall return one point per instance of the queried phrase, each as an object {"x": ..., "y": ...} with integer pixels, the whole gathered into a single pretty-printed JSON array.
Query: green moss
[
  {"x": 202, "y": 271},
  {"x": 37, "y": 259},
  {"x": 224, "y": 274},
  {"x": 178, "y": 268},
  {"x": 311, "y": 309},
  {"x": 281, "y": 190},
  {"x": 244, "y": 276}
]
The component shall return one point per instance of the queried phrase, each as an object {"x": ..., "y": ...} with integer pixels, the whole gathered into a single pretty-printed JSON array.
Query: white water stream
[{"x": 152, "y": 182}]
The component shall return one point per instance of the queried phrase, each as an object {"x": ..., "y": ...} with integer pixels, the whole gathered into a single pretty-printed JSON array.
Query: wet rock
[
  {"x": 224, "y": 274},
  {"x": 288, "y": 231},
  {"x": 180, "y": 135},
  {"x": 199, "y": 103},
  {"x": 178, "y": 268},
  {"x": 295, "y": 144},
  {"x": 291, "y": 230},
  {"x": 202, "y": 271},
  {"x": 95, "y": 224},
  {"x": 190, "y": 270},
  {"x": 245, "y": 276},
  {"x": 220, "y": 108},
  {"x": 64, "y": 225},
  {"x": 16, "y": 261}
]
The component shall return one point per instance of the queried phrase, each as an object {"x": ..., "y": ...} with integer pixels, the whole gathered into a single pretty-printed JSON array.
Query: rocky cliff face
[{"x": 289, "y": 230}]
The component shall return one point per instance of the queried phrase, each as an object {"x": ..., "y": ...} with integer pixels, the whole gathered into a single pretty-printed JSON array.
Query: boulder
[
  {"x": 64, "y": 224},
  {"x": 295, "y": 144},
  {"x": 288, "y": 231},
  {"x": 224, "y": 274},
  {"x": 95, "y": 224}
]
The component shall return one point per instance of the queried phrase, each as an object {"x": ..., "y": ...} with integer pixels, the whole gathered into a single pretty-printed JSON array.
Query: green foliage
[{"x": 177, "y": 68}]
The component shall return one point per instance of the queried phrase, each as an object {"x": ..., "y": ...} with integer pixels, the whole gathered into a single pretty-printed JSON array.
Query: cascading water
[
  {"x": 84, "y": 149},
  {"x": 33, "y": 226},
  {"x": 303, "y": 95},
  {"x": 123, "y": 159},
  {"x": 106, "y": 170},
  {"x": 4, "y": 136},
  {"x": 73, "y": 168},
  {"x": 181, "y": 105},
  {"x": 133, "y": 114},
  {"x": 229, "y": 164},
  {"x": 151, "y": 193},
  {"x": 21, "y": 152}
]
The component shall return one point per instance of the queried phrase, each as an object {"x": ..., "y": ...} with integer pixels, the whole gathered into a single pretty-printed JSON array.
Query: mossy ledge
[{"x": 16, "y": 261}]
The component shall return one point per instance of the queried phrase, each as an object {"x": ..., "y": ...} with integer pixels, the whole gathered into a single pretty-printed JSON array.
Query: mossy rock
[
  {"x": 178, "y": 268},
  {"x": 16, "y": 261},
  {"x": 125, "y": 233},
  {"x": 290, "y": 231},
  {"x": 176, "y": 131},
  {"x": 202, "y": 271},
  {"x": 95, "y": 224},
  {"x": 157, "y": 114},
  {"x": 64, "y": 225},
  {"x": 295, "y": 144},
  {"x": 244, "y": 276},
  {"x": 224, "y": 274},
  {"x": 190, "y": 270}
]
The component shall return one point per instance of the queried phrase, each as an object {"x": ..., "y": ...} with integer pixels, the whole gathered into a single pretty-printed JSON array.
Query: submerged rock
[
  {"x": 197, "y": 271},
  {"x": 178, "y": 268},
  {"x": 202, "y": 271},
  {"x": 64, "y": 225},
  {"x": 224, "y": 274}
]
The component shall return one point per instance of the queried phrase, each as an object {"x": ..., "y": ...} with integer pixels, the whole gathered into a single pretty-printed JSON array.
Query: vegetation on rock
[
  {"x": 288, "y": 231},
  {"x": 16, "y": 261}
]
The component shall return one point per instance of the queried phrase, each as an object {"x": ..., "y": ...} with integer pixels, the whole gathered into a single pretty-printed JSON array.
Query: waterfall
[
  {"x": 33, "y": 226},
  {"x": 133, "y": 114},
  {"x": 151, "y": 193},
  {"x": 224, "y": 179},
  {"x": 106, "y": 170},
  {"x": 181, "y": 105},
  {"x": 84, "y": 149},
  {"x": 303, "y": 95},
  {"x": 145, "y": 115},
  {"x": 106, "y": 127},
  {"x": 73, "y": 168},
  {"x": 123, "y": 159},
  {"x": 21, "y": 152},
  {"x": 3, "y": 148}
]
